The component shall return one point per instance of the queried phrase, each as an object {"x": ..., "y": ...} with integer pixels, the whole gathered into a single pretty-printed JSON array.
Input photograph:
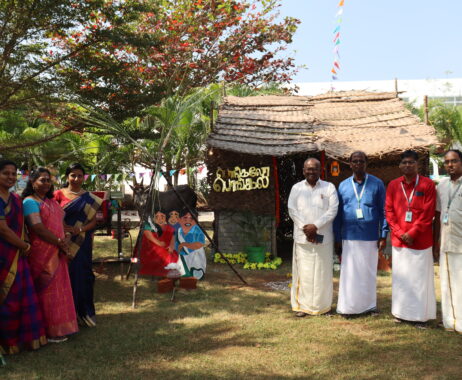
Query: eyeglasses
[
  {"x": 358, "y": 162},
  {"x": 447, "y": 162},
  {"x": 408, "y": 162}
]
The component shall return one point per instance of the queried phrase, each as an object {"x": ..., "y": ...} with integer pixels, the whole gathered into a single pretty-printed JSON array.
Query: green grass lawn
[{"x": 224, "y": 330}]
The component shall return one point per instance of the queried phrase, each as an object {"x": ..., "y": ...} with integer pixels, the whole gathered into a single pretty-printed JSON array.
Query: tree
[
  {"x": 186, "y": 44},
  {"x": 31, "y": 35},
  {"x": 446, "y": 118}
]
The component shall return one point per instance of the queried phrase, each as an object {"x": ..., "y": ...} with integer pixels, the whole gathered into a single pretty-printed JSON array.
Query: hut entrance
[{"x": 290, "y": 171}]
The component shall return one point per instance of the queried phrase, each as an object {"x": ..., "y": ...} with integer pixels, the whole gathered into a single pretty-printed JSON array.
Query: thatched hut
[{"x": 258, "y": 146}]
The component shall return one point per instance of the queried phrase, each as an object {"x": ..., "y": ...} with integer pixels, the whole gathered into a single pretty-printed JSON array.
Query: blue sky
[{"x": 379, "y": 39}]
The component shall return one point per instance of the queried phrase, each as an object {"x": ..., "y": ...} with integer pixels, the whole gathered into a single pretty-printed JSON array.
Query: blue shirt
[
  {"x": 373, "y": 225},
  {"x": 194, "y": 235}
]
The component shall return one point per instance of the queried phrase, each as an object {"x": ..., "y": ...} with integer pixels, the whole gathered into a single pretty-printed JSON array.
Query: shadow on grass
[{"x": 224, "y": 330}]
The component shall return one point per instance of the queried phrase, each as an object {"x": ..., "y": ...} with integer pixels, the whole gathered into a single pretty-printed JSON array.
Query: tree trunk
[
  {"x": 188, "y": 179},
  {"x": 175, "y": 177},
  {"x": 168, "y": 167}
]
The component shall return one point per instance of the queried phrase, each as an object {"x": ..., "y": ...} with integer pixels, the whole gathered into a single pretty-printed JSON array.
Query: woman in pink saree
[{"x": 47, "y": 258}]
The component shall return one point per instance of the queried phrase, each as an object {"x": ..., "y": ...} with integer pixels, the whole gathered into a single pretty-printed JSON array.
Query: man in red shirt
[{"x": 409, "y": 209}]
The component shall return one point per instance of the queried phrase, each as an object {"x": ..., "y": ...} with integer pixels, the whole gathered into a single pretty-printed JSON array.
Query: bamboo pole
[{"x": 426, "y": 110}]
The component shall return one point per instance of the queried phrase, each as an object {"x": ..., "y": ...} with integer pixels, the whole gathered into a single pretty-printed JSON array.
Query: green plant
[{"x": 253, "y": 228}]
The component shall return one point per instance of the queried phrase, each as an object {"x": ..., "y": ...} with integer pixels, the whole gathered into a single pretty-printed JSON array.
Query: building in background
[{"x": 447, "y": 90}]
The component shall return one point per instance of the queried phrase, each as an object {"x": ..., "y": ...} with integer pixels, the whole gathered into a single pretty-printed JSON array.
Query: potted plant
[{"x": 254, "y": 229}]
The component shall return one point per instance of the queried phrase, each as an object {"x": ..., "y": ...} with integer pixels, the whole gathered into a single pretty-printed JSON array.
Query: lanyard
[
  {"x": 409, "y": 200},
  {"x": 358, "y": 198},
  {"x": 451, "y": 197}
]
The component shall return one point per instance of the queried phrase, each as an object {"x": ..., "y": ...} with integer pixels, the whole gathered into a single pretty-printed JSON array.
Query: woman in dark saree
[
  {"x": 80, "y": 209},
  {"x": 21, "y": 323}
]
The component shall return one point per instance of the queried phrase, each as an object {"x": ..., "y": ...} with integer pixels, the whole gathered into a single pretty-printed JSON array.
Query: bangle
[{"x": 28, "y": 247}]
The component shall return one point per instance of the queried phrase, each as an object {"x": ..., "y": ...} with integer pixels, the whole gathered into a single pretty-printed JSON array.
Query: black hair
[
  {"x": 358, "y": 152},
  {"x": 410, "y": 154},
  {"x": 457, "y": 151},
  {"x": 70, "y": 168},
  {"x": 33, "y": 176},
  {"x": 4, "y": 163},
  {"x": 185, "y": 211}
]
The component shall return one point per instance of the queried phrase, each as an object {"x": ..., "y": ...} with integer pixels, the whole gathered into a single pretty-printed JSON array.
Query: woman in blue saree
[
  {"x": 21, "y": 324},
  {"x": 80, "y": 209}
]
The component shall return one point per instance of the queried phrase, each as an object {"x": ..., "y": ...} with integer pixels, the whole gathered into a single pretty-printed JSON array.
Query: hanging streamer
[{"x": 336, "y": 65}]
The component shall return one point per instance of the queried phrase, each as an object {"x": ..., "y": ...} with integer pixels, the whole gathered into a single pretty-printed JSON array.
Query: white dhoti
[
  {"x": 312, "y": 288},
  {"x": 451, "y": 290},
  {"x": 358, "y": 277},
  {"x": 413, "y": 288}
]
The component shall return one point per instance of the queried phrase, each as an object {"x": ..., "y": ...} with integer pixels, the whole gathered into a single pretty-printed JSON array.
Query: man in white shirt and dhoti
[
  {"x": 312, "y": 207},
  {"x": 448, "y": 220}
]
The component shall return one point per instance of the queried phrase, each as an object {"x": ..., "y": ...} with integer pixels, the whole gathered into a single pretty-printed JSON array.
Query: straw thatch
[{"x": 337, "y": 122}]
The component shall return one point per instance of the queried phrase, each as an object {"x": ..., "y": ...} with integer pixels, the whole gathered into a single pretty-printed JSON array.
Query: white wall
[{"x": 414, "y": 90}]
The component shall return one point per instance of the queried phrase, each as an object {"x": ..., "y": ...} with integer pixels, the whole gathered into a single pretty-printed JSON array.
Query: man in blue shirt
[{"x": 360, "y": 232}]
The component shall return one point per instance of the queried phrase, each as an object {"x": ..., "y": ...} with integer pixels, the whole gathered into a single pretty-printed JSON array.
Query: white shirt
[
  {"x": 451, "y": 233},
  {"x": 313, "y": 205}
]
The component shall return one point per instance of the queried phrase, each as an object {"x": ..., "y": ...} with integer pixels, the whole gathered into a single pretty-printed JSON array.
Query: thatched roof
[{"x": 337, "y": 122}]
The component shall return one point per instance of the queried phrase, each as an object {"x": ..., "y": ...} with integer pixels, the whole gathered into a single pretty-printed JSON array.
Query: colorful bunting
[{"x": 336, "y": 40}]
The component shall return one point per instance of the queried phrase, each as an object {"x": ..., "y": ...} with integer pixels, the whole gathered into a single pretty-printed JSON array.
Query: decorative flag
[
  {"x": 334, "y": 78},
  {"x": 108, "y": 176},
  {"x": 172, "y": 172},
  {"x": 85, "y": 177},
  {"x": 336, "y": 41},
  {"x": 182, "y": 171},
  {"x": 93, "y": 176}
]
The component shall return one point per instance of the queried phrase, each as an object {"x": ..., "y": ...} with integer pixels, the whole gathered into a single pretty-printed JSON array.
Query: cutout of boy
[
  {"x": 190, "y": 245},
  {"x": 174, "y": 219}
]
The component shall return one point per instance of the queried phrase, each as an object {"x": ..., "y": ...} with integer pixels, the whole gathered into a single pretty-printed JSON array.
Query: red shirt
[{"x": 422, "y": 207}]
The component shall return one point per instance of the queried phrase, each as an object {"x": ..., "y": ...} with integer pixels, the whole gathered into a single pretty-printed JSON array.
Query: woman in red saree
[
  {"x": 20, "y": 317},
  {"x": 47, "y": 258},
  {"x": 157, "y": 247}
]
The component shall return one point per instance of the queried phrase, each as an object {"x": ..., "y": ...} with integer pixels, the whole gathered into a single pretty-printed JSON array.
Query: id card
[
  {"x": 408, "y": 217},
  {"x": 445, "y": 218},
  {"x": 359, "y": 213}
]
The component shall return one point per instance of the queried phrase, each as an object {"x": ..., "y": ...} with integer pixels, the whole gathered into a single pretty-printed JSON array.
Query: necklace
[
  {"x": 39, "y": 197},
  {"x": 74, "y": 192}
]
